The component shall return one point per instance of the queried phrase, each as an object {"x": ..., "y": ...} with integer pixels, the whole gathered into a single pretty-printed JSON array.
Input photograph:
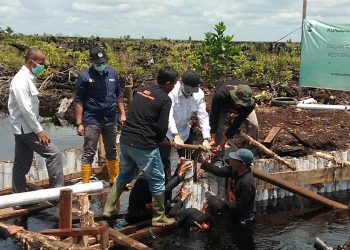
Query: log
[
  {"x": 34, "y": 240},
  {"x": 184, "y": 146},
  {"x": 297, "y": 137},
  {"x": 126, "y": 241},
  {"x": 336, "y": 160},
  {"x": 266, "y": 151},
  {"x": 70, "y": 232},
  {"x": 296, "y": 189}
]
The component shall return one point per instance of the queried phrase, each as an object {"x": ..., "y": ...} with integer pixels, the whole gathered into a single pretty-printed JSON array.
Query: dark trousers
[{"x": 25, "y": 146}]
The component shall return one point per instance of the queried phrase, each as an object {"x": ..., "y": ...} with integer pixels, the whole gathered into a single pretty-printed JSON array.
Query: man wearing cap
[
  {"x": 232, "y": 97},
  {"x": 144, "y": 129},
  {"x": 187, "y": 99},
  {"x": 97, "y": 95},
  {"x": 236, "y": 165}
]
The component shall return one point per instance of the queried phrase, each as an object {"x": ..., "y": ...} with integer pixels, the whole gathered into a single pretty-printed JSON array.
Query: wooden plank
[
  {"x": 104, "y": 238},
  {"x": 126, "y": 241},
  {"x": 315, "y": 176},
  {"x": 272, "y": 134},
  {"x": 145, "y": 232},
  {"x": 70, "y": 232},
  {"x": 7, "y": 213}
]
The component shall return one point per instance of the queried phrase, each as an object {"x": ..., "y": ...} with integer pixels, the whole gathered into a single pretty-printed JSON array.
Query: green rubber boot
[
  {"x": 112, "y": 205},
  {"x": 159, "y": 219}
]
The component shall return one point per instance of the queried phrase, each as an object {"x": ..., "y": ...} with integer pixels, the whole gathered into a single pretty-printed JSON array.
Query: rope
[{"x": 289, "y": 34}]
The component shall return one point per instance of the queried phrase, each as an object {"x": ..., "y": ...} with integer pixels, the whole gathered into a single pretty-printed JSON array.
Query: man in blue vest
[{"x": 97, "y": 96}]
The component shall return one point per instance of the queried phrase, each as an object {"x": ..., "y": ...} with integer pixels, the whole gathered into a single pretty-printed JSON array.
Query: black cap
[
  {"x": 98, "y": 55},
  {"x": 191, "y": 78}
]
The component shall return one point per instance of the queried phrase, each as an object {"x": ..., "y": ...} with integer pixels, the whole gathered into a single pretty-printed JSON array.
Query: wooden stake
[
  {"x": 65, "y": 208},
  {"x": 266, "y": 151},
  {"x": 184, "y": 146}
]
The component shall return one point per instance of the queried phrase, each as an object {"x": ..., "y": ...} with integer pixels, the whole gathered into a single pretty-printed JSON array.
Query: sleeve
[
  {"x": 203, "y": 117},
  {"x": 164, "y": 118},
  {"x": 4, "y": 234},
  {"x": 214, "y": 113},
  {"x": 237, "y": 122},
  {"x": 23, "y": 100},
  {"x": 172, "y": 124},
  {"x": 216, "y": 170},
  {"x": 80, "y": 89},
  {"x": 173, "y": 182},
  {"x": 178, "y": 211},
  {"x": 119, "y": 90}
]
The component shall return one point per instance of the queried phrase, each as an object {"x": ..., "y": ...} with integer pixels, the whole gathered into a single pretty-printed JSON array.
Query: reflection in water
[{"x": 63, "y": 137}]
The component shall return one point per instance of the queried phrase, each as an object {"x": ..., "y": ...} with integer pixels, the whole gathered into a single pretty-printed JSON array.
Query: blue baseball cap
[{"x": 244, "y": 155}]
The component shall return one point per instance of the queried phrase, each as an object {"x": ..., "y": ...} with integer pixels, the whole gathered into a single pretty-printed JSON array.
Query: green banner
[{"x": 325, "y": 55}]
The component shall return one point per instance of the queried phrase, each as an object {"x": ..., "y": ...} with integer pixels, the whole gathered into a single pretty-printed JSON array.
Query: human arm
[
  {"x": 217, "y": 169},
  {"x": 25, "y": 99},
  {"x": 203, "y": 119},
  {"x": 121, "y": 107},
  {"x": 79, "y": 98},
  {"x": 164, "y": 118},
  {"x": 237, "y": 122},
  {"x": 178, "y": 177},
  {"x": 79, "y": 110},
  {"x": 215, "y": 114}
]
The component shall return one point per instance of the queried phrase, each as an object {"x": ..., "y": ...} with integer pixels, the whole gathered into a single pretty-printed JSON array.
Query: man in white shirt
[
  {"x": 30, "y": 137},
  {"x": 187, "y": 99}
]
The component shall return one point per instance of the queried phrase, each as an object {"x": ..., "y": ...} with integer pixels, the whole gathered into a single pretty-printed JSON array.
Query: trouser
[
  {"x": 92, "y": 134},
  {"x": 146, "y": 160},
  {"x": 251, "y": 125},
  {"x": 165, "y": 152},
  {"x": 25, "y": 146}
]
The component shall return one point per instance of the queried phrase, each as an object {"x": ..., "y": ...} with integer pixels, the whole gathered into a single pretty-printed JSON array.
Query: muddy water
[
  {"x": 63, "y": 137},
  {"x": 291, "y": 223}
]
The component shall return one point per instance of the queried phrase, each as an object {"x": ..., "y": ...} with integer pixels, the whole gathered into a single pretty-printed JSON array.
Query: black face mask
[{"x": 188, "y": 90}]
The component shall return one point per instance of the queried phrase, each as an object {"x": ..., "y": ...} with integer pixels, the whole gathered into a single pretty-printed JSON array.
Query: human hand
[
  {"x": 178, "y": 141},
  {"x": 206, "y": 144},
  {"x": 43, "y": 138},
  {"x": 81, "y": 130},
  {"x": 13, "y": 229},
  {"x": 122, "y": 119},
  {"x": 184, "y": 167},
  {"x": 184, "y": 194}
]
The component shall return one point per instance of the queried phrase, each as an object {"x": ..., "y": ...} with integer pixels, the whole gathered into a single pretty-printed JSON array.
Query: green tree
[{"x": 215, "y": 57}]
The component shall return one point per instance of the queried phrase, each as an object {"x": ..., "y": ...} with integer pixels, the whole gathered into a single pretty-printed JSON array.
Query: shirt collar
[{"x": 27, "y": 71}]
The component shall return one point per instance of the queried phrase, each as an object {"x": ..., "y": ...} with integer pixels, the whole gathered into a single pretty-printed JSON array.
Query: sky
[{"x": 246, "y": 20}]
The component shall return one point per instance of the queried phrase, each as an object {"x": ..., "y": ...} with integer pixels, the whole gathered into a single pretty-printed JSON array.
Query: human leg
[
  {"x": 109, "y": 134},
  {"x": 92, "y": 134},
  {"x": 126, "y": 174},
  {"x": 150, "y": 163},
  {"x": 21, "y": 165}
]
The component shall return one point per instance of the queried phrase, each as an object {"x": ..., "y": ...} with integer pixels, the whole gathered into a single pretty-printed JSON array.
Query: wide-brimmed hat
[
  {"x": 242, "y": 95},
  {"x": 98, "y": 55}
]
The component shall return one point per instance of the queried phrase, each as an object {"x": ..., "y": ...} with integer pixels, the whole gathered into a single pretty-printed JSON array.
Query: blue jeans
[{"x": 146, "y": 160}]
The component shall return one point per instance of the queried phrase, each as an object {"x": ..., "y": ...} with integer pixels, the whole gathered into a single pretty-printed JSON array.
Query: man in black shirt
[
  {"x": 232, "y": 97},
  {"x": 146, "y": 126},
  {"x": 241, "y": 200}
]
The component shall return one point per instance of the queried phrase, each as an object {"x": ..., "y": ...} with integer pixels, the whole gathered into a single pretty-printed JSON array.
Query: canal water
[{"x": 290, "y": 223}]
